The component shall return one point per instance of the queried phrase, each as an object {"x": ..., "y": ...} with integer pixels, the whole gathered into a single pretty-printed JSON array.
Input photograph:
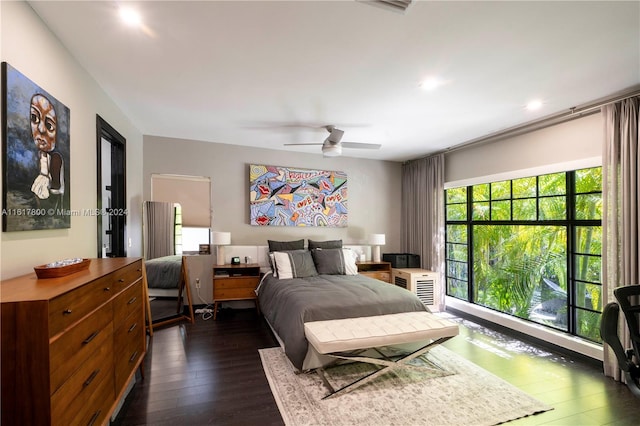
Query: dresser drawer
[
  {"x": 129, "y": 341},
  {"x": 238, "y": 282},
  {"x": 234, "y": 293},
  {"x": 131, "y": 329},
  {"x": 83, "y": 383},
  {"x": 68, "y": 308},
  {"x": 94, "y": 411},
  {"x": 378, "y": 275},
  {"x": 125, "y": 365},
  {"x": 128, "y": 301},
  {"x": 123, "y": 277},
  {"x": 71, "y": 349}
]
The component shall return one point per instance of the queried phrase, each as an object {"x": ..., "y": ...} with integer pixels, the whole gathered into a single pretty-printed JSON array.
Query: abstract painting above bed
[{"x": 284, "y": 196}]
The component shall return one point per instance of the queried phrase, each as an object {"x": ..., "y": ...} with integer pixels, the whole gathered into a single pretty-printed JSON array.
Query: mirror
[{"x": 166, "y": 273}]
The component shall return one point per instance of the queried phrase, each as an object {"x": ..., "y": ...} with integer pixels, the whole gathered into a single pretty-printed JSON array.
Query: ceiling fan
[{"x": 332, "y": 145}]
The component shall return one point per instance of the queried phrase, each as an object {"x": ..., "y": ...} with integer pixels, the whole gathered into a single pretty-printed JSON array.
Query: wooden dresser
[{"x": 70, "y": 345}]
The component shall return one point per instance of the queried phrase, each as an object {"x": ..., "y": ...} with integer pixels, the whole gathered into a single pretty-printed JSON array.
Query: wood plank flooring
[{"x": 210, "y": 373}]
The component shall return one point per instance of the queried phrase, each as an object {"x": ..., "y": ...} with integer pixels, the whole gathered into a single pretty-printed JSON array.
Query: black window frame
[{"x": 570, "y": 222}]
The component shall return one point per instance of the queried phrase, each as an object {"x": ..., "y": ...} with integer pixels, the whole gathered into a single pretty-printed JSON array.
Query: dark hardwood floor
[
  {"x": 205, "y": 373},
  {"x": 210, "y": 373}
]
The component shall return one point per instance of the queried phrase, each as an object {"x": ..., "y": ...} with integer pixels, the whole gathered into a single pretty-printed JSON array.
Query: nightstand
[
  {"x": 235, "y": 282},
  {"x": 378, "y": 270}
]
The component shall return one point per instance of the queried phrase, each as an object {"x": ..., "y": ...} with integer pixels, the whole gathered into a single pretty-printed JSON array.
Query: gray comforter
[
  {"x": 164, "y": 272},
  {"x": 287, "y": 304}
]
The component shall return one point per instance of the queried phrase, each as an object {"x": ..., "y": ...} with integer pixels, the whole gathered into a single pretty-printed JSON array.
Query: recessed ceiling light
[
  {"x": 534, "y": 105},
  {"x": 431, "y": 83},
  {"x": 130, "y": 17}
]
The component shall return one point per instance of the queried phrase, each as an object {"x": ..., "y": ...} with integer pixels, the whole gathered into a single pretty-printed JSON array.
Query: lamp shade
[
  {"x": 221, "y": 238},
  {"x": 376, "y": 239}
]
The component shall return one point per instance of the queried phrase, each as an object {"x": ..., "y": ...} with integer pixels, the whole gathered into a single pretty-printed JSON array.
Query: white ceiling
[{"x": 237, "y": 72}]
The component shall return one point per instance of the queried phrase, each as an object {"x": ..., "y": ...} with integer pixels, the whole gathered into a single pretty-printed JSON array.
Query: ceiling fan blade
[
  {"x": 260, "y": 125},
  {"x": 358, "y": 145},
  {"x": 302, "y": 144}
]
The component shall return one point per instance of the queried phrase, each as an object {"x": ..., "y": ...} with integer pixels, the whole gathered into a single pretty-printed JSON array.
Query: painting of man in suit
[{"x": 35, "y": 156}]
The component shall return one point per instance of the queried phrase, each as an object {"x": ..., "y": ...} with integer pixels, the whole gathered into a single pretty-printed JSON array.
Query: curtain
[
  {"x": 422, "y": 226},
  {"x": 620, "y": 161},
  {"x": 158, "y": 225}
]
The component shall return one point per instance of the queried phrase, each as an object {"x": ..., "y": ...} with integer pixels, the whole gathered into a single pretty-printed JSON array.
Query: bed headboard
[{"x": 260, "y": 254}]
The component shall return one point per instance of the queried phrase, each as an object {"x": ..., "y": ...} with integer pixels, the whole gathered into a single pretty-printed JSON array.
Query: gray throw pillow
[
  {"x": 334, "y": 261},
  {"x": 331, "y": 244},
  {"x": 285, "y": 245}
]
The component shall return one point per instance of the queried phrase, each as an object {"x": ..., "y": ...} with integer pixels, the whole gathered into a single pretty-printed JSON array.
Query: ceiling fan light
[{"x": 332, "y": 150}]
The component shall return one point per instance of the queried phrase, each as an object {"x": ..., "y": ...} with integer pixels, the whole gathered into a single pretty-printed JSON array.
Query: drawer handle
[
  {"x": 91, "y": 377},
  {"x": 133, "y": 327},
  {"x": 133, "y": 299},
  {"x": 90, "y": 338},
  {"x": 134, "y": 356},
  {"x": 106, "y": 289},
  {"x": 94, "y": 418},
  {"x": 121, "y": 280},
  {"x": 67, "y": 311}
]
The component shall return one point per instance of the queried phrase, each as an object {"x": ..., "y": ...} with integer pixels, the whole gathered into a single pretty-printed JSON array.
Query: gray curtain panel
[
  {"x": 620, "y": 160},
  {"x": 422, "y": 227},
  {"x": 158, "y": 229}
]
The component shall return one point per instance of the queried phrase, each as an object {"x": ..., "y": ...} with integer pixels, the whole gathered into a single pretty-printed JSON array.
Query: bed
[{"x": 330, "y": 291}]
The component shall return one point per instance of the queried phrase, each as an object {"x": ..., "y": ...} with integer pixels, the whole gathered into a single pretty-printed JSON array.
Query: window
[
  {"x": 193, "y": 237},
  {"x": 188, "y": 239},
  {"x": 530, "y": 247}
]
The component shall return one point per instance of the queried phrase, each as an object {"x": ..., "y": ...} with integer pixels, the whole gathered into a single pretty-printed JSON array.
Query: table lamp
[
  {"x": 376, "y": 240},
  {"x": 220, "y": 239}
]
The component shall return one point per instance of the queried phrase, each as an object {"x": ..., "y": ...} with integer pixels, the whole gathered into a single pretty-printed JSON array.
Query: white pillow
[{"x": 350, "y": 257}]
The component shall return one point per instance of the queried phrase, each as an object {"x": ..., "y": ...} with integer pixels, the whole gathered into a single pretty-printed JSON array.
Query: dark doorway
[{"x": 112, "y": 200}]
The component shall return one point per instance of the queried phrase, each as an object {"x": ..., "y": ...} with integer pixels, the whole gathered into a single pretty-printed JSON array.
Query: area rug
[{"x": 464, "y": 395}]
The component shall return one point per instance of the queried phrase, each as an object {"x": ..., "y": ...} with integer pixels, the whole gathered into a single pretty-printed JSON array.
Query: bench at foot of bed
[{"x": 350, "y": 338}]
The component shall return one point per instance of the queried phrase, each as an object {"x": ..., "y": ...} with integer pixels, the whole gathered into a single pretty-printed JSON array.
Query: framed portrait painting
[{"x": 35, "y": 156}]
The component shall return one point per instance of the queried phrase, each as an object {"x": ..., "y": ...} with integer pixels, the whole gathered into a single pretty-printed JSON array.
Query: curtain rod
[{"x": 572, "y": 113}]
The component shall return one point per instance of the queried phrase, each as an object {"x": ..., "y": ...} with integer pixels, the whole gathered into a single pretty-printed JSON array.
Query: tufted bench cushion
[
  {"x": 377, "y": 331},
  {"x": 350, "y": 338}
]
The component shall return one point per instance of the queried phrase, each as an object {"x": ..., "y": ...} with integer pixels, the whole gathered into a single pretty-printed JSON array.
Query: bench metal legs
[{"x": 387, "y": 365}]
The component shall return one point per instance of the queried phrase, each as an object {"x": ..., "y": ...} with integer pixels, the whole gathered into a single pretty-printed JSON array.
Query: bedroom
[{"x": 147, "y": 154}]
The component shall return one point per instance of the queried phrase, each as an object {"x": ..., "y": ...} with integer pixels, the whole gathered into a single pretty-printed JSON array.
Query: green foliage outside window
[
  {"x": 519, "y": 262},
  {"x": 511, "y": 264}
]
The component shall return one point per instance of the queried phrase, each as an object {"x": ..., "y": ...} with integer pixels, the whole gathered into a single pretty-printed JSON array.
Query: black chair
[{"x": 629, "y": 301}]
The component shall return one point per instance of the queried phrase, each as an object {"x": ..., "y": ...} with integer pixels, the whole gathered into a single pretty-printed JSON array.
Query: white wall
[
  {"x": 374, "y": 188},
  {"x": 28, "y": 45}
]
